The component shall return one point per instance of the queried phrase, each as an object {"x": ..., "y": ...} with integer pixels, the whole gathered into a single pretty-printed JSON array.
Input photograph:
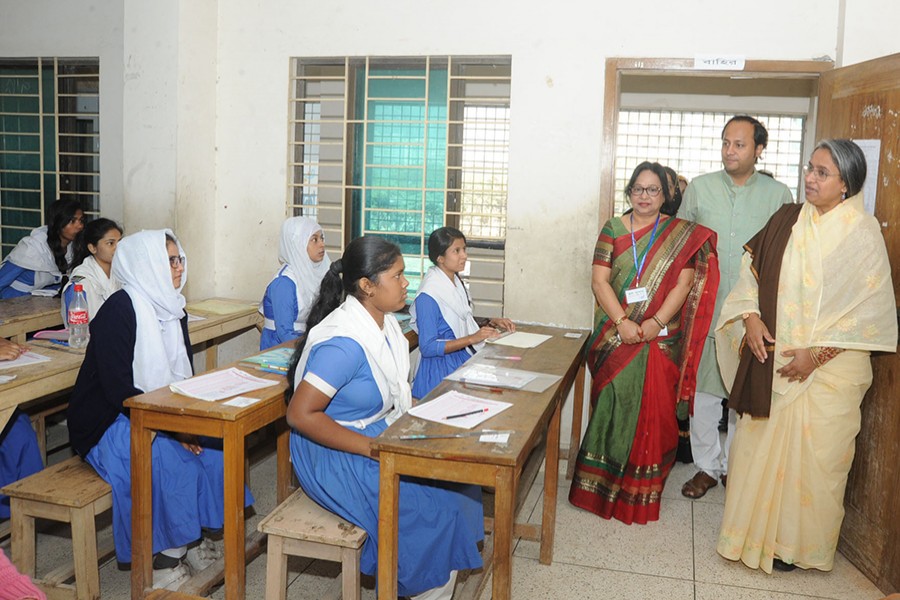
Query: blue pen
[{"x": 60, "y": 342}]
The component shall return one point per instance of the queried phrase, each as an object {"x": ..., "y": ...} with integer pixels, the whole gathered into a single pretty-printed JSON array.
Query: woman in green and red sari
[{"x": 655, "y": 279}]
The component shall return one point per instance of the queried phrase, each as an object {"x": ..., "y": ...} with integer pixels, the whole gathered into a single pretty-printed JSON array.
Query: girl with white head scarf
[
  {"x": 348, "y": 382},
  {"x": 293, "y": 289},
  {"x": 139, "y": 342},
  {"x": 442, "y": 313},
  {"x": 41, "y": 260}
]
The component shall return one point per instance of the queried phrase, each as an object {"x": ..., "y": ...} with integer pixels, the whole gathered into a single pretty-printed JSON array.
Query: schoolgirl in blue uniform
[
  {"x": 139, "y": 342},
  {"x": 92, "y": 266},
  {"x": 20, "y": 455},
  {"x": 442, "y": 313},
  {"x": 291, "y": 293},
  {"x": 40, "y": 260},
  {"x": 348, "y": 380}
]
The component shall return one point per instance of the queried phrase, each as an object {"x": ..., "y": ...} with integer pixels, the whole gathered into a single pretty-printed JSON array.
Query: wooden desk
[
  {"x": 25, "y": 314},
  {"x": 163, "y": 410},
  {"x": 42, "y": 379},
  {"x": 60, "y": 373},
  {"x": 222, "y": 319},
  {"x": 467, "y": 460}
]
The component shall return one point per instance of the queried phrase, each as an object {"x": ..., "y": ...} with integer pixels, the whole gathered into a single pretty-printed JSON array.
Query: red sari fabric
[{"x": 632, "y": 436}]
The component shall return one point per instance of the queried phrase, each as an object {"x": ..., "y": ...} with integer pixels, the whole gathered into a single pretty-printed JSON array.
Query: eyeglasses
[
  {"x": 176, "y": 261},
  {"x": 818, "y": 173},
  {"x": 638, "y": 191}
]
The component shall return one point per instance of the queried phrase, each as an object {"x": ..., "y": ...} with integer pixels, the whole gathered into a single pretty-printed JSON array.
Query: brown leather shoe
[{"x": 698, "y": 485}]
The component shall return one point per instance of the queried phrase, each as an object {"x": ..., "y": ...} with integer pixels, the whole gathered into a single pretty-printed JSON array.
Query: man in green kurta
[{"x": 736, "y": 203}]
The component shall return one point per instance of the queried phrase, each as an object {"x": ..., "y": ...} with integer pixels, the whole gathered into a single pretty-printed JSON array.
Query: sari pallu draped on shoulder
[{"x": 631, "y": 439}]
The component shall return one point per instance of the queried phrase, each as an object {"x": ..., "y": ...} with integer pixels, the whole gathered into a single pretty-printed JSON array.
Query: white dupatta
[
  {"x": 453, "y": 301},
  {"x": 387, "y": 352},
  {"x": 141, "y": 264},
  {"x": 33, "y": 253},
  {"x": 298, "y": 267},
  {"x": 98, "y": 286}
]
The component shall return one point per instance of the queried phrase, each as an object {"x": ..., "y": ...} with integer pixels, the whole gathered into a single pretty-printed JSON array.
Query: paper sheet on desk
[
  {"x": 219, "y": 385},
  {"x": 192, "y": 318},
  {"x": 455, "y": 403},
  {"x": 25, "y": 359},
  {"x": 520, "y": 339}
]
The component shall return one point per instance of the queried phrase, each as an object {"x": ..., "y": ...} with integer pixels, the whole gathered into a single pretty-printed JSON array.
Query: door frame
[{"x": 616, "y": 67}]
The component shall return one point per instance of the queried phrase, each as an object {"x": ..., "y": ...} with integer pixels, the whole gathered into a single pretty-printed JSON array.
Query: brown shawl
[{"x": 752, "y": 388}]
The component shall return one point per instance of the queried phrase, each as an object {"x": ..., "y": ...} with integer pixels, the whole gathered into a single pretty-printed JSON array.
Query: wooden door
[{"x": 863, "y": 102}]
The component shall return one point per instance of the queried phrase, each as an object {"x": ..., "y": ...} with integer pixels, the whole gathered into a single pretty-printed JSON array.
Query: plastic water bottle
[{"x": 78, "y": 319}]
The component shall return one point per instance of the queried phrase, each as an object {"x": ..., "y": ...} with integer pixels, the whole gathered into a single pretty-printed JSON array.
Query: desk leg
[
  {"x": 577, "y": 410},
  {"x": 283, "y": 461},
  {"x": 388, "y": 508},
  {"x": 141, "y": 507},
  {"x": 235, "y": 564},
  {"x": 212, "y": 355},
  {"x": 551, "y": 480},
  {"x": 504, "y": 517}
]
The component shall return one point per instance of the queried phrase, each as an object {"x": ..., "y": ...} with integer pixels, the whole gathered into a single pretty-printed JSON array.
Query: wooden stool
[
  {"x": 300, "y": 527},
  {"x": 69, "y": 492}
]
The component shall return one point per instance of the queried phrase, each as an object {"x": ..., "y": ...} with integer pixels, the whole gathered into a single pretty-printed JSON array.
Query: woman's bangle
[
  {"x": 619, "y": 321},
  {"x": 658, "y": 322}
]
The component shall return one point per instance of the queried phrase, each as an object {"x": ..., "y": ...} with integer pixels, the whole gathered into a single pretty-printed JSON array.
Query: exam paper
[
  {"x": 25, "y": 359},
  {"x": 457, "y": 403},
  {"x": 219, "y": 385},
  {"x": 520, "y": 339}
]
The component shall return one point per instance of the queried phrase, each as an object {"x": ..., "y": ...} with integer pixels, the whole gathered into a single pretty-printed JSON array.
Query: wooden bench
[
  {"x": 69, "y": 492},
  {"x": 300, "y": 527}
]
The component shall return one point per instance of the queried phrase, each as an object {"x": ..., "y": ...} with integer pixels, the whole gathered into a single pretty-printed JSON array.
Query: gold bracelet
[
  {"x": 658, "y": 322},
  {"x": 619, "y": 321}
]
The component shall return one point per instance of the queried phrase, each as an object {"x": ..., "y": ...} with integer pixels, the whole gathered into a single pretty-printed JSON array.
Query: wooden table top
[
  {"x": 556, "y": 356},
  {"x": 166, "y": 401},
  {"x": 217, "y": 313},
  {"x": 25, "y": 314}
]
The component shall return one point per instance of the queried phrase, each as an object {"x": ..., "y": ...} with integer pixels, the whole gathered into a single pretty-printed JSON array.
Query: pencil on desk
[{"x": 466, "y": 414}]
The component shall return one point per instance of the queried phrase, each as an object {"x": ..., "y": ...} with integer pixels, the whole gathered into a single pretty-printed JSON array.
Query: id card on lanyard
[{"x": 639, "y": 292}]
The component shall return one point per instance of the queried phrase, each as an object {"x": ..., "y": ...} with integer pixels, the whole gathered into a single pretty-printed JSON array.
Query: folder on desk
[{"x": 496, "y": 376}]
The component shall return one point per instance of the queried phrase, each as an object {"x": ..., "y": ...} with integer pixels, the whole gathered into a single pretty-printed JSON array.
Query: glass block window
[
  {"x": 49, "y": 140},
  {"x": 691, "y": 142},
  {"x": 400, "y": 146}
]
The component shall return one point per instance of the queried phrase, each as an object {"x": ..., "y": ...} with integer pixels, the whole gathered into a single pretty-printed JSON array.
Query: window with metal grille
[
  {"x": 398, "y": 147},
  {"x": 691, "y": 142},
  {"x": 49, "y": 140}
]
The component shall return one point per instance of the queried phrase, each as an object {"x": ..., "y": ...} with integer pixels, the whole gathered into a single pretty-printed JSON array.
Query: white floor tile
[
  {"x": 561, "y": 581},
  {"x": 845, "y": 582}
]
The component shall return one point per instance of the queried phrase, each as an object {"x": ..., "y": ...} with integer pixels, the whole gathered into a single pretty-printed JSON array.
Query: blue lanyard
[{"x": 640, "y": 267}]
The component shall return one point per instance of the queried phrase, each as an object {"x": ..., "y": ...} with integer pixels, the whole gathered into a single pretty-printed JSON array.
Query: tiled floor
[{"x": 672, "y": 559}]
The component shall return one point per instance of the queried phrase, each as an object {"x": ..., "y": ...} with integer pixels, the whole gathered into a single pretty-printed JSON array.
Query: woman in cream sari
[{"x": 814, "y": 299}]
